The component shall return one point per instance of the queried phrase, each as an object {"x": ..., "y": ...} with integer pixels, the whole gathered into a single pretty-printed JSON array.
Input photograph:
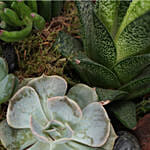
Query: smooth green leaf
[
  {"x": 136, "y": 9},
  {"x": 82, "y": 95},
  {"x": 94, "y": 127},
  {"x": 21, "y": 106},
  {"x": 3, "y": 68},
  {"x": 37, "y": 126},
  {"x": 64, "y": 109},
  {"x": 15, "y": 139},
  {"x": 111, "y": 95},
  {"x": 47, "y": 87},
  {"x": 130, "y": 67},
  {"x": 94, "y": 73},
  {"x": 135, "y": 38},
  {"x": 125, "y": 111},
  {"x": 73, "y": 146},
  {"x": 111, "y": 140},
  {"x": 7, "y": 88},
  {"x": 40, "y": 146}
]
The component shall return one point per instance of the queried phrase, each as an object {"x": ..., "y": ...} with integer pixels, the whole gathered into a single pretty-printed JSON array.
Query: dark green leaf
[
  {"x": 135, "y": 38},
  {"x": 125, "y": 111},
  {"x": 108, "y": 94},
  {"x": 94, "y": 73},
  {"x": 130, "y": 67}
]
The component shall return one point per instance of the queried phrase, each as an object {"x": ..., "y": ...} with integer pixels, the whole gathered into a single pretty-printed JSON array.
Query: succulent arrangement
[
  {"x": 8, "y": 82},
  {"x": 115, "y": 52},
  {"x": 110, "y": 54},
  {"x": 39, "y": 116}
]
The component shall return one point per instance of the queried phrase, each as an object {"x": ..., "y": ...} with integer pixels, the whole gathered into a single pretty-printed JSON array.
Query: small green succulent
[
  {"x": 8, "y": 82},
  {"x": 116, "y": 51},
  {"x": 39, "y": 116}
]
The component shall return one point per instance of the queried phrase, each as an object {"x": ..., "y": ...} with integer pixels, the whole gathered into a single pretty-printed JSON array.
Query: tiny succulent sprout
[{"x": 42, "y": 116}]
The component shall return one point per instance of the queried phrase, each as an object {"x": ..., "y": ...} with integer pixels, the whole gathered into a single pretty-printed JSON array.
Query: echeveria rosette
[
  {"x": 39, "y": 117},
  {"x": 8, "y": 82}
]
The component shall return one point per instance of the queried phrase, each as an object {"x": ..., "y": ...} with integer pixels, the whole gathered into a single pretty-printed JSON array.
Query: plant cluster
[
  {"x": 115, "y": 52},
  {"x": 110, "y": 54}
]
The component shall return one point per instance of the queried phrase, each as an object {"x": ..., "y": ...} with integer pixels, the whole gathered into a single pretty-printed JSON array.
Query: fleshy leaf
[
  {"x": 111, "y": 140},
  {"x": 125, "y": 69},
  {"x": 15, "y": 139},
  {"x": 82, "y": 95},
  {"x": 135, "y": 38},
  {"x": 135, "y": 10},
  {"x": 37, "y": 128},
  {"x": 125, "y": 111},
  {"x": 94, "y": 128},
  {"x": 107, "y": 12},
  {"x": 3, "y": 68},
  {"x": 104, "y": 50},
  {"x": 123, "y": 7},
  {"x": 40, "y": 146},
  {"x": 85, "y": 12},
  {"x": 21, "y": 106},
  {"x": 64, "y": 109},
  {"x": 94, "y": 73},
  {"x": 73, "y": 146},
  {"x": 111, "y": 95},
  {"x": 66, "y": 45},
  {"x": 137, "y": 87},
  {"x": 47, "y": 87},
  {"x": 7, "y": 87}
]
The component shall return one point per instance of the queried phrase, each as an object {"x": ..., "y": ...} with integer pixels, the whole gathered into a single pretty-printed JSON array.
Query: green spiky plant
[
  {"x": 115, "y": 56},
  {"x": 40, "y": 116},
  {"x": 8, "y": 82}
]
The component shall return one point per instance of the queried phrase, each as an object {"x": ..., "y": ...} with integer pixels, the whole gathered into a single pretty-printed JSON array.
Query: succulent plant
[
  {"x": 115, "y": 56},
  {"x": 18, "y": 18},
  {"x": 39, "y": 116},
  {"x": 8, "y": 82}
]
